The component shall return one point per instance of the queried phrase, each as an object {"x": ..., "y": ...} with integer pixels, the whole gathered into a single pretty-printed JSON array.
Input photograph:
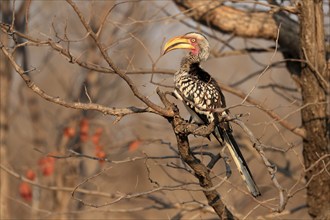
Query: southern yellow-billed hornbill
[{"x": 200, "y": 93}]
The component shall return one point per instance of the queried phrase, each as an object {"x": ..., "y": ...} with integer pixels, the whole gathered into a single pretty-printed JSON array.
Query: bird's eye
[{"x": 193, "y": 40}]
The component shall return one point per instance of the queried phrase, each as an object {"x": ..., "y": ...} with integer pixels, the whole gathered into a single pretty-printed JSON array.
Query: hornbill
[{"x": 201, "y": 94}]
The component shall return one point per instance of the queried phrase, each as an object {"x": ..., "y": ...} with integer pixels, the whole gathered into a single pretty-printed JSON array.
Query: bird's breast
[{"x": 197, "y": 94}]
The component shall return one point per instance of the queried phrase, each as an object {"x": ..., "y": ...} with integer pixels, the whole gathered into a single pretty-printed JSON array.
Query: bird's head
[{"x": 196, "y": 43}]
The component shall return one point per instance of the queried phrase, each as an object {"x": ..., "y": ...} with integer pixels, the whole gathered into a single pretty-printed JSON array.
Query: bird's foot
[{"x": 204, "y": 130}]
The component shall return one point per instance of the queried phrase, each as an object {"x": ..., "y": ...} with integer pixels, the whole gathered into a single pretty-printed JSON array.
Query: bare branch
[
  {"x": 294, "y": 129},
  {"x": 75, "y": 105},
  {"x": 122, "y": 74},
  {"x": 201, "y": 172},
  {"x": 228, "y": 19},
  {"x": 283, "y": 197}
]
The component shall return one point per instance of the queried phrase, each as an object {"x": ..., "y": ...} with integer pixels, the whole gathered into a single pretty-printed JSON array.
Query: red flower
[
  {"x": 25, "y": 191},
  {"x": 69, "y": 132},
  {"x": 134, "y": 145},
  {"x": 30, "y": 174},
  {"x": 47, "y": 165}
]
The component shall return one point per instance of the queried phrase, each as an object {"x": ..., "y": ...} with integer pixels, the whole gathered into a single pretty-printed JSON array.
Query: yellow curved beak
[{"x": 177, "y": 43}]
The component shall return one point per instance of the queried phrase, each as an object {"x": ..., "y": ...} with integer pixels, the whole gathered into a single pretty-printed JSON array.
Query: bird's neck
[
  {"x": 190, "y": 59},
  {"x": 188, "y": 63}
]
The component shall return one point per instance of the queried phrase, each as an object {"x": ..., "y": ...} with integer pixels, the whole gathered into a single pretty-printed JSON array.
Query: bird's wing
[{"x": 198, "y": 107}]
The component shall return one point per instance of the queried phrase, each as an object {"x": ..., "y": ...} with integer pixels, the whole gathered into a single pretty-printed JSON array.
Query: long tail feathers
[{"x": 238, "y": 159}]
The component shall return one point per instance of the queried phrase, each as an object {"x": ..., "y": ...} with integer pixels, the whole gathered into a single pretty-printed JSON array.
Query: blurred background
[{"x": 58, "y": 147}]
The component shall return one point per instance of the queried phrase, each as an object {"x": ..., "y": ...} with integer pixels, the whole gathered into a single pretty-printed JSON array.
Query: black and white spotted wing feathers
[{"x": 201, "y": 93}]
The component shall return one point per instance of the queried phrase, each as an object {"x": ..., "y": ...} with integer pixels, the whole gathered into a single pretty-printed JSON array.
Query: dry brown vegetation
[{"x": 89, "y": 129}]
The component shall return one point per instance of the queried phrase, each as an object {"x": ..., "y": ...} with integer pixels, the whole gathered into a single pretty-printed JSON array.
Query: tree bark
[
  {"x": 230, "y": 20},
  {"x": 314, "y": 116},
  {"x": 5, "y": 85}
]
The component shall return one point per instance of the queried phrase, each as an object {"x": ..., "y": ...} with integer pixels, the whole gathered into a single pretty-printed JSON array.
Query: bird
[{"x": 202, "y": 96}]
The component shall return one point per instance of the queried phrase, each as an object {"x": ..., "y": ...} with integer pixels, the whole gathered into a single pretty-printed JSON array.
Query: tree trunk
[
  {"x": 314, "y": 117},
  {"x": 5, "y": 85}
]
